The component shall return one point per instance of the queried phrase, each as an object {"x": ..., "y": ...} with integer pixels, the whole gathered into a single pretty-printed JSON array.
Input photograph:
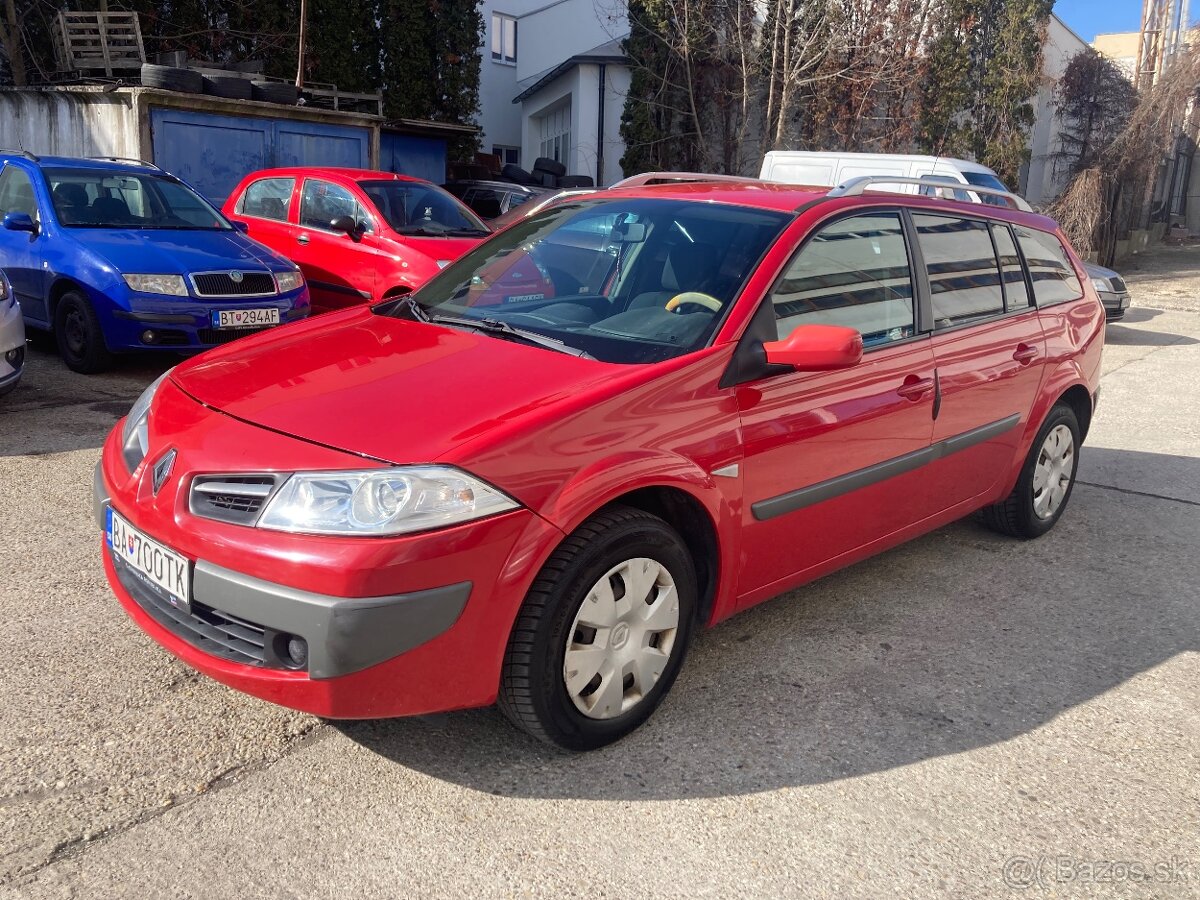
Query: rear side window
[
  {"x": 269, "y": 198},
  {"x": 854, "y": 272},
  {"x": 1016, "y": 292},
  {"x": 1050, "y": 269},
  {"x": 964, "y": 277},
  {"x": 16, "y": 193}
]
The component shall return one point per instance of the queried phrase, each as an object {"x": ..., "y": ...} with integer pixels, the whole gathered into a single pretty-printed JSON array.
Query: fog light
[
  {"x": 297, "y": 652},
  {"x": 149, "y": 337}
]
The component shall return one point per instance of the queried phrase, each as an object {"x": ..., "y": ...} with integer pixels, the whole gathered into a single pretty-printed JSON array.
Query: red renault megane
[{"x": 472, "y": 495}]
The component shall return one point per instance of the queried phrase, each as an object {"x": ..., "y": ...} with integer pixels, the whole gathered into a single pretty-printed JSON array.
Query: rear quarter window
[{"x": 1050, "y": 270}]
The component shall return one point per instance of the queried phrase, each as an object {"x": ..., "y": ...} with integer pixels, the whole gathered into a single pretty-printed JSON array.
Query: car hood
[
  {"x": 169, "y": 252},
  {"x": 387, "y": 388},
  {"x": 434, "y": 248},
  {"x": 1095, "y": 271}
]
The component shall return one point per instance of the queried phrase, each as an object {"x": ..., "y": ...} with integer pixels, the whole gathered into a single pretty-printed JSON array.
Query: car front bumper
[
  {"x": 394, "y": 626},
  {"x": 12, "y": 347},
  {"x": 185, "y": 323},
  {"x": 1115, "y": 304}
]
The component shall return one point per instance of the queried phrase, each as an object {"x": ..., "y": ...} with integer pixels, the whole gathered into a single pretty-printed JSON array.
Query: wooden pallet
[{"x": 100, "y": 42}]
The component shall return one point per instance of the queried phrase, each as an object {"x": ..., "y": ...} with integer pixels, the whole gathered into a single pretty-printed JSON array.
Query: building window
[
  {"x": 555, "y": 130},
  {"x": 504, "y": 38},
  {"x": 509, "y": 156}
]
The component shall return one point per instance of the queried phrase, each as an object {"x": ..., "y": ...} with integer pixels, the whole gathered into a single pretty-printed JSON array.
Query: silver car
[
  {"x": 12, "y": 338},
  {"x": 1111, "y": 288}
]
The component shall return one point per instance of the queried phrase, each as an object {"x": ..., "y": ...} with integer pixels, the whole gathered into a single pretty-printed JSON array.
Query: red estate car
[
  {"x": 455, "y": 497},
  {"x": 356, "y": 234}
]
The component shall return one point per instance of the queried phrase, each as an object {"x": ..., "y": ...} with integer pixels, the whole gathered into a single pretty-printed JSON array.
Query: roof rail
[
  {"x": 125, "y": 159},
  {"x": 25, "y": 153},
  {"x": 855, "y": 187},
  {"x": 647, "y": 178}
]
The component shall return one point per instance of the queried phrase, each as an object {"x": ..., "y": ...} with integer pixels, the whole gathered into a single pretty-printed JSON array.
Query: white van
[{"x": 832, "y": 169}]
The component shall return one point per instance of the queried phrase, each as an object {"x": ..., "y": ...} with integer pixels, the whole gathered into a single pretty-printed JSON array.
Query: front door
[
  {"x": 989, "y": 349},
  {"x": 341, "y": 270},
  {"x": 22, "y": 254},
  {"x": 835, "y": 460}
]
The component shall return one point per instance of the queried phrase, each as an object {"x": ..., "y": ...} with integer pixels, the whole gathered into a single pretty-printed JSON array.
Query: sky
[{"x": 1089, "y": 18}]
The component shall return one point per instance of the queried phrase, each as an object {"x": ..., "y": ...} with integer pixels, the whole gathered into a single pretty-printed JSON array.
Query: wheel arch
[{"x": 62, "y": 285}]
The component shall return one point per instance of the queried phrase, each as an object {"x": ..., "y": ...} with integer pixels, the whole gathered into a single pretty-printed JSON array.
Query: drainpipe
[{"x": 600, "y": 131}]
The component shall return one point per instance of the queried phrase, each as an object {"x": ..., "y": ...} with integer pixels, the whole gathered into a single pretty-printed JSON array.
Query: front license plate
[
  {"x": 244, "y": 318},
  {"x": 160, "y": 565}
]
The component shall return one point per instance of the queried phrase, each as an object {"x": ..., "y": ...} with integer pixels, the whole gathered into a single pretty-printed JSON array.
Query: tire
[
  {"x": 228, "y": 87},
  {"x": 517, "y": 175},
  {"x": 275, "y": 92},
  {"x": 534, "y": 692},
  {"x": 1029, "y": 512},
  {"x": 80, "y": 339},
  {"x": 550, "y": 166},
  {"x": 171, "y": 78},
  {"x": 576, "y": 181}
]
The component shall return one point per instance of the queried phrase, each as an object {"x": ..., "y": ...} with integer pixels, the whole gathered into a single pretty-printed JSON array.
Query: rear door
[
  {"x": 264, "y": 209},
  {"x": 834, "y": 460},
  {"x": 989, "y": 349}
]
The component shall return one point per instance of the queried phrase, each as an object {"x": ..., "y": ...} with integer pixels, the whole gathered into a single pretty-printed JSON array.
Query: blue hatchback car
[{"x": 117, "y": 255}]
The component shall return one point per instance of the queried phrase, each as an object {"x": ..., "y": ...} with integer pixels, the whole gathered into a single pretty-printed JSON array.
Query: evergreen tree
[{"x": 1094, "y": 100}]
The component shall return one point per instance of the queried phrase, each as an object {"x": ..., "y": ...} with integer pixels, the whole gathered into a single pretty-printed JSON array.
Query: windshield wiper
[
  {"x": 420, "y": 229},
  {"x": 410, "y": 305},
  {"x": 467, "y": 232},
  {"x": 495, "y": 326}
]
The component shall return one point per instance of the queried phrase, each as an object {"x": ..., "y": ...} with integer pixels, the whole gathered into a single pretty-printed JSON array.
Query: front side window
[
  {"x": 16, "y": 193},
  {"x": 418, "y": 208},
  {"x": 504, "y": 38},
  {"x": 964, "y": 277},
  {"x": 855, "y": 273},
  {"x": 321, "y": 202},
  {"x": 270, "y": 198},
  {"x": 624, "y": 281},
  {"x": 1050, "y": 270},
  {"x": 95, "y": 198}
]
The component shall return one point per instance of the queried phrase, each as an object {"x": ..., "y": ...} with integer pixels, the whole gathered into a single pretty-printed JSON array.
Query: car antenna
[{"x": 25, "y": 153}]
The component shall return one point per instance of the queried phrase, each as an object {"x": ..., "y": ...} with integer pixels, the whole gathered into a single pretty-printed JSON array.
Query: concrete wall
[
  {"x": 79, "y": 123},
  {"x": 553, "y": 32},
  {"x": 1121, "y": 48},
  {"x": 1041, "y": 183}
]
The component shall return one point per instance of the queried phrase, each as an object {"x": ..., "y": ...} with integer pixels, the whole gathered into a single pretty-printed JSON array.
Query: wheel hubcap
[
  {"x": 75, "y": 332},
  {"x": 621, "y": 639},
  {"x": 1053, "y": 471}
]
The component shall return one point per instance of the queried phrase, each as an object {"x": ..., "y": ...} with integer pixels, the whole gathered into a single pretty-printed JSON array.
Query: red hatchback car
[
  {"x": 455, "y": 498},
  {"x": 357, "y": 235}
]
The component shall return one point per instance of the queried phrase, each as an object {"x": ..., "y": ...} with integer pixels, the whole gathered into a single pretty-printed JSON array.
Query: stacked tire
[
  {"x": 228, "y": 86},
  {"x": 171, "y": 78}
]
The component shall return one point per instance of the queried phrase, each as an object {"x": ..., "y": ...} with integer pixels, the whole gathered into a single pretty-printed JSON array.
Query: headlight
[
  {"x": 288, "y": 281},
  {"x": 173, "y": 285},
  {"x": 134, "y": 436},
  {"x": 381, "y": 501},
  {"x": 1101, "y": 284},
  {"x": 5, "y": 293}
]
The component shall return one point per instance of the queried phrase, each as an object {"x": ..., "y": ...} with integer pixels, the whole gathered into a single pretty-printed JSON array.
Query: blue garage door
[
  {"x": 416, "y": 156},
  {"x": 213, "y": 153}
]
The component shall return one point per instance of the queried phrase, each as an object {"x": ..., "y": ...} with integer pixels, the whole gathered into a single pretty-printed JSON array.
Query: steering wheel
[{"x": 694, "y": 298}]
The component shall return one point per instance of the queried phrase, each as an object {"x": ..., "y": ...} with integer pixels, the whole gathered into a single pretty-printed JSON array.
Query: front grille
[
  {"x": 224, "y": 336},
  {"x": 216, "y": 633},
  {"x": 231, "y": 498},
  {"x": 223, "y": 284}
]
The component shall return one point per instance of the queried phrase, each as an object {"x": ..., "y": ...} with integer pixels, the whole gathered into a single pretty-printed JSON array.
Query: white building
[
  {"x": 553, "y": 83},
  {"x": 1040, "y": 179}
]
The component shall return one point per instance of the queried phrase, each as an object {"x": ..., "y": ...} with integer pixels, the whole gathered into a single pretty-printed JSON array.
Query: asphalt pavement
[{"x": 965, "y": 716}]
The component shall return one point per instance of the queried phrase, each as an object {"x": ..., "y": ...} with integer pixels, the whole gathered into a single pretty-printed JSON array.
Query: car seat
[
  {"x": 688, "y": 267},
  {"x": 110, "y": 209}
]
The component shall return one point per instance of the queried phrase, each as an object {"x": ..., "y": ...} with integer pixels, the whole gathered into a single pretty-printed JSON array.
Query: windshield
[
  {"x": 624, "y": 281},
  {"x": 97, "y": 198},
  {"x": 987, "y": 180},
  {"x": 412, "y": 207}
]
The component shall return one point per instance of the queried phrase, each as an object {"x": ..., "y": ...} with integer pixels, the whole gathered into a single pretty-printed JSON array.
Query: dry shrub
[{"x": 1080, "y": 207}]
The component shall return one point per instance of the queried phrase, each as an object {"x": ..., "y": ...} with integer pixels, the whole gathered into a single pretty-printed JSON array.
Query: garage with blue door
[{"x": 214, "y": 152}]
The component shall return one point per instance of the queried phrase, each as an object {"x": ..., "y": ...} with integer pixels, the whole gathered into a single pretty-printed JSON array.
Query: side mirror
[
  {"x": 243, "y": 227},
  {"x": 348, "y": 225},
  {"x": 817, "y": 348},
  {"x": 19, "y": 221}
]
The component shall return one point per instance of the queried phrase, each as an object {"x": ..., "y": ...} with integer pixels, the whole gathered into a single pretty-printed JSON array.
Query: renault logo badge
[
  {"x": 162, "y": 471},
  {"x": 236, "y": 277}
]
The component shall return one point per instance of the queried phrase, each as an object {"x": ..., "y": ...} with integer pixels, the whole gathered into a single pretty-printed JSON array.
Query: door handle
[
  {"x": 302, "y": 239},
  {"x": 914, "y": 388},
  {"x": 1025, "y": 353}
]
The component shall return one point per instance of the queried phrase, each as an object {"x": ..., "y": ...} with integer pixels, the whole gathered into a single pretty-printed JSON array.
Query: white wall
[
  {"x": 76, "y": 123},
  {"x": 553, "y": 32},
  {"x": 1041, "y": 183}
]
